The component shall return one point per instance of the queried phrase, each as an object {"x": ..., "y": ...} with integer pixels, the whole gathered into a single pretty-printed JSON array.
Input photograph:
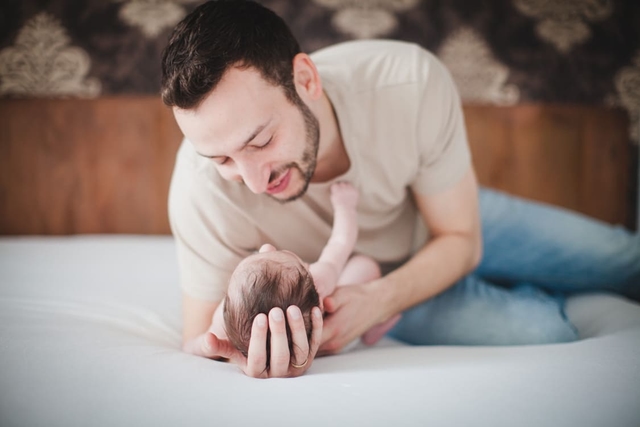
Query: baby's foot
[{"x": 374, "y": 334}]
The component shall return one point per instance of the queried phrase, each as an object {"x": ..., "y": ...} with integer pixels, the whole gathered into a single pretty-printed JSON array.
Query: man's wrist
[{"x": 383, "y": 298}]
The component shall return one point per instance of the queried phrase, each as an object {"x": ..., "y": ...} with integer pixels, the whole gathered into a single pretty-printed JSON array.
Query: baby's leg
[
  {"x": 374, "y": 334},
  {"x": 362, "y": 269},
  {"x": 359, "y": 269}
]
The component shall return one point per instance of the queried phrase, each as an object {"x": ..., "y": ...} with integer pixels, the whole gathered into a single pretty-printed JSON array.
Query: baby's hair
[{"x": 271, "y": 285}]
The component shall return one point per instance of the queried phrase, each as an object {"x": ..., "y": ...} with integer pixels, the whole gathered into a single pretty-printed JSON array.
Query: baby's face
[{"x": 288, "y": 260}]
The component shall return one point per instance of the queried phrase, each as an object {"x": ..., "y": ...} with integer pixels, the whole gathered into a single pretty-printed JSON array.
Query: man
[{"x": 268, "y": 129}]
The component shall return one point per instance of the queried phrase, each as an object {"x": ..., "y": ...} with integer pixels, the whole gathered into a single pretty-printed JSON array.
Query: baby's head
[{"x": 262, "y": 281}]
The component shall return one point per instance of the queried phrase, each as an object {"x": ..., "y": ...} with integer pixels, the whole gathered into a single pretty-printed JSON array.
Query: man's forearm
[{"x": 433, "y": 269}]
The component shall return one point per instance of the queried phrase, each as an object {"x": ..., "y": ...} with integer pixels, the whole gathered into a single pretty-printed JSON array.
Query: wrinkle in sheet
[{"x": 138, "y": 321}]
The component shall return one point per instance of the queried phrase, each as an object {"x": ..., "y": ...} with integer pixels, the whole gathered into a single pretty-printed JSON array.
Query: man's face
[{"x": 255, "y": 135}]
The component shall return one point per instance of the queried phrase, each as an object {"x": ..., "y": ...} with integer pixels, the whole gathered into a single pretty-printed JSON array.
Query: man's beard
[{"x": 307, "y": 165}]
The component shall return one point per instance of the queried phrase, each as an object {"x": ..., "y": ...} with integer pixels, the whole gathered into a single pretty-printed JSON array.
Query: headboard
[{"x": 104, "y": 165}]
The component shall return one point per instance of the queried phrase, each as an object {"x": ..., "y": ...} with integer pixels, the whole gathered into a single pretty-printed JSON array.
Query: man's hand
[
  {"x": 351, "y": 312},
  {"x": 282, "y": 363}
]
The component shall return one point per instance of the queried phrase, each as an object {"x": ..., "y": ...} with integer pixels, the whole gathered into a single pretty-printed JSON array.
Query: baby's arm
[{"x": 326, "y": 271}]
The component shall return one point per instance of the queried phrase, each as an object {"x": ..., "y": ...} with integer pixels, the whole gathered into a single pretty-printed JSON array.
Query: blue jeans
[{"x": 534, "y": 254}]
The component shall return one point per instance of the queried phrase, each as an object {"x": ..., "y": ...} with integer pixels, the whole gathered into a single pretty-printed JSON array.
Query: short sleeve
[
  {"x": 212, "y": 236},
  {"x": 442, "y": 138}
]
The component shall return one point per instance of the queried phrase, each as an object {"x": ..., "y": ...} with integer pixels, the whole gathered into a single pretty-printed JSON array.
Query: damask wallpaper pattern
[{"x": 499, "y": 51}]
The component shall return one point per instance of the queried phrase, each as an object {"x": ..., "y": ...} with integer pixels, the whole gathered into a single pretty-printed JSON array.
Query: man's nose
[{"x": 255, "y": 177}]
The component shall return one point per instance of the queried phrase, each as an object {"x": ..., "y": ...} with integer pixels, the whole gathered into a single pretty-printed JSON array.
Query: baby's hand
[{"x": 344, "y": 194}]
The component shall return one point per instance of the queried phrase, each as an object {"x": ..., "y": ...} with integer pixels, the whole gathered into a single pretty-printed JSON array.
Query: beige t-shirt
[{"x": 402, "y": 125}]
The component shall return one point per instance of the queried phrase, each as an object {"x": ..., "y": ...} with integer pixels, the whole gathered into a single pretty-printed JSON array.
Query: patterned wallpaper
[{"x": 499, "y": 51}]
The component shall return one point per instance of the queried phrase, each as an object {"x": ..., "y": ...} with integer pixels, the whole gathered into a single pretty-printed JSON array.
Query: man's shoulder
[
  {"x": 191, "y": 167},
  {"x": 196, "y": 178},
  {"x": 377, "y": 47},
  {"x": 366, "y": 64}
]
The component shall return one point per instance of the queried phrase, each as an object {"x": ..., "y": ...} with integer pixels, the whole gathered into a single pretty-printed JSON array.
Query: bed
[
  {"x": 90, "y": 333},
  {"x": 90, "y": 314}
]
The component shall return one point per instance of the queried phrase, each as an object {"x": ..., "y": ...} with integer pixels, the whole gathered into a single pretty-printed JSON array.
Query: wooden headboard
[{"x": 104, "y": 165}]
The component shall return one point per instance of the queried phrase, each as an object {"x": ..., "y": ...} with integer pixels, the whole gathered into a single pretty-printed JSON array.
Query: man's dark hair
[
  {"x": 270, "y": 286},
  {"x": 221, "y": 34}
]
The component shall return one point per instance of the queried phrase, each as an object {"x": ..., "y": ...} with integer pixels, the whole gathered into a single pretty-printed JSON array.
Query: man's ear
[{"x": 306, "y": 78}]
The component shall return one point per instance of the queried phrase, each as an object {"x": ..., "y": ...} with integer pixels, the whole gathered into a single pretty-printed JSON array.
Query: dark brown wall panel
[
  {"x": 104, "y": 165},
  {"x": 79, "y": 166},
  {"x": 573, "y": 156}
]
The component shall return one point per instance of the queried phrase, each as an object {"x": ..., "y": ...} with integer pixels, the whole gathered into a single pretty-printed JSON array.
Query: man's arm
[
  {"x": 326, "y": 271},
  {"x": 197, "y": 316},
  {"x": 455, "y": 249}
]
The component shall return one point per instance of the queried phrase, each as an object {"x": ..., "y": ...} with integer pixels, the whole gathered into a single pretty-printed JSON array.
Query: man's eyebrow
[{"x": 255, "y": 133}]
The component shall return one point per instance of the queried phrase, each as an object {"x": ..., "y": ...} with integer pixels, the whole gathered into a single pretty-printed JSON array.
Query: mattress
[{"x": 90, "y": 336}]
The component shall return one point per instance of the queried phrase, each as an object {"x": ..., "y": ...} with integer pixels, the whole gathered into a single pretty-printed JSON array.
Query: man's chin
[{"x": 286, "y": 196}]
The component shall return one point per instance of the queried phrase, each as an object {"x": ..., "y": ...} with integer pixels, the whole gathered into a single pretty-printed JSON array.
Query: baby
[{"x": 279, "y": 278}]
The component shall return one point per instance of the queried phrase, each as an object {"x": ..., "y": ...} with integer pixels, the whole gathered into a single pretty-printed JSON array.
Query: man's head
[
  {"x": 219, "y": 35},
  {"x": 239, "y": 87},
  {"x": 261, "y": 282}
]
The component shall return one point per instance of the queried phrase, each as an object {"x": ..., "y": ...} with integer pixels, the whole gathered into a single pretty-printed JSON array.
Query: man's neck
[{"x": 333, "y": 159}]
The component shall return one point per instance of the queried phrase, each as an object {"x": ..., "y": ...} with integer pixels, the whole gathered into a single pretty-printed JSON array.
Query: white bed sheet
[{"x": 90, "y": 333}]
